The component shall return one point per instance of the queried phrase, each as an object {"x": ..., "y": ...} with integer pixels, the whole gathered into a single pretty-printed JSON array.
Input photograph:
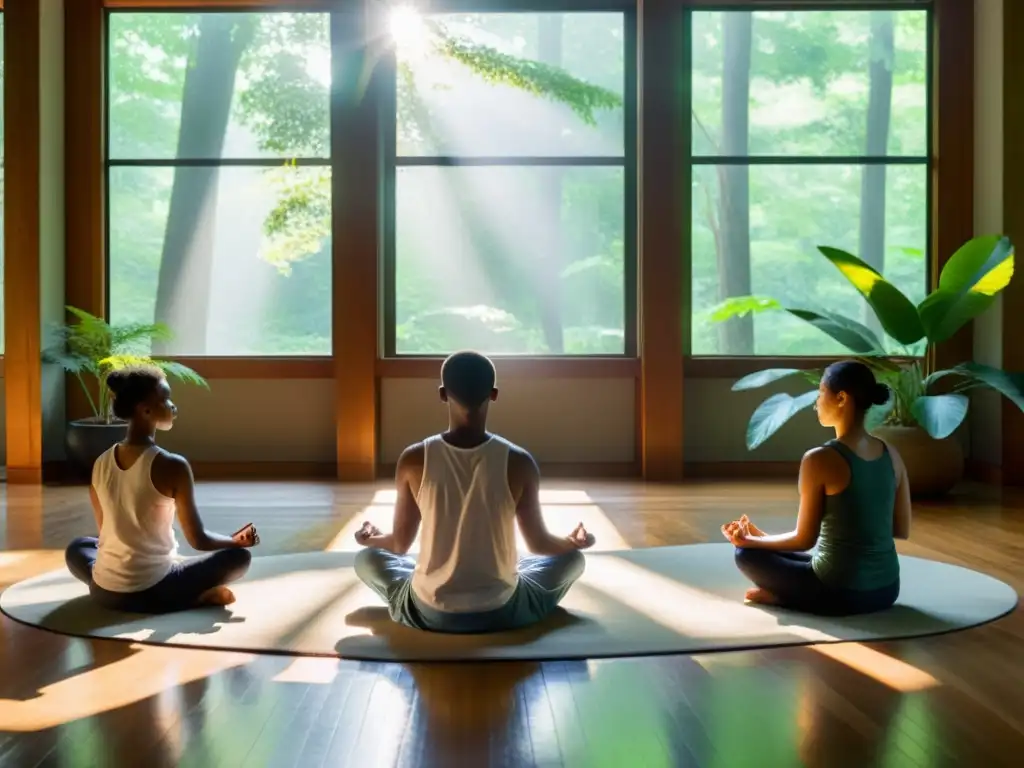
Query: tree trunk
[
  {"x": 872, "y": 184},
  {"x": 736, "y": 336},
  {"x": 546, "y": 277},
  {"x": 186, "y": 264}
]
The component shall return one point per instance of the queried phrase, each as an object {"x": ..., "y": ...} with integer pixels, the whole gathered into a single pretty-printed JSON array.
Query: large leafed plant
[
  {"x": 968, "y": 285},
  {"x": 91, "y": 348}
]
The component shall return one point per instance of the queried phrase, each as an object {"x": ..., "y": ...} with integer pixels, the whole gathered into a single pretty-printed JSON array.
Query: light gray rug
[{"x": 628, "y": 603}]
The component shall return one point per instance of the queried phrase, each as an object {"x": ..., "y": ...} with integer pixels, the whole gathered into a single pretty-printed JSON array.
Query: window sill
[
  {"x": 260, "y": 367},
  {"x": 737, "y": 367},
  {"x": 519, "y": 367}
]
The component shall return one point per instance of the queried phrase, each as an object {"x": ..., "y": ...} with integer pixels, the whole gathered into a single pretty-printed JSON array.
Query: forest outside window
[
  {"x": 509, "y": 185},
  {"x": 809, "y": 128},
  {"x": 218, "y": 180}
]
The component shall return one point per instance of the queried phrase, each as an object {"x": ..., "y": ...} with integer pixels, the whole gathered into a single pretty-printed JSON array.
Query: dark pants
[
  {"x": 791, "y": 579},
  {"x": 543, "y": 582},
  {"x": 179, "y": 590}
]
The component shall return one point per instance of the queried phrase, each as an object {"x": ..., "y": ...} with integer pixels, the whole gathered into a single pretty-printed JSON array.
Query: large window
[
  {"x": 219, "y": 180},
  {"x": 809, "y": 128},
  {"x": 511, "y": 208}
]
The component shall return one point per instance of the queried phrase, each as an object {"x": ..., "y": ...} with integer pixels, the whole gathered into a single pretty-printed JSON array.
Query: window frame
[
  {"x": 303, "y": 366},
  {"x": 736, "y": 366},
  {"x": 390, "y": 359}
]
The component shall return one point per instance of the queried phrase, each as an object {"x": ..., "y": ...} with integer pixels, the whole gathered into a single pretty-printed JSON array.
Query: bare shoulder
[
  {"x": 823, "y": 461},
  {"x": 897, "y": 460},
  {"x": 409, "y": 469},
  {"x": 171, "y": 464},
  {"x": 521, "y": 464},
  {"x": 412, "y": 456},
  {"x": 170, "y": 473},
  {"x": 819, "y": 456}
]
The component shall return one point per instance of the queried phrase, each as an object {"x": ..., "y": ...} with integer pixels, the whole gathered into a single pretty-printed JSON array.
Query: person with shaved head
[{"x": 468, "y": 488}]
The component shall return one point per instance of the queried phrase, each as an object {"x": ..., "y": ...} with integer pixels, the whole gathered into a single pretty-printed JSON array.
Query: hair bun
[
  {"x": 880, "y": 395},
  {"x": 116, "y": 380}
]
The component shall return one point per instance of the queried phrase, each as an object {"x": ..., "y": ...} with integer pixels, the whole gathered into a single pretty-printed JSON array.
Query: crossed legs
[
  {"x": 543, "y": 582},
  {"x": 189, "y": 583}
]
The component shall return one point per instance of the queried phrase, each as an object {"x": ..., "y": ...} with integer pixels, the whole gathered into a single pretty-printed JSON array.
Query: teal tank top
[{"x": 856, "y": 549}]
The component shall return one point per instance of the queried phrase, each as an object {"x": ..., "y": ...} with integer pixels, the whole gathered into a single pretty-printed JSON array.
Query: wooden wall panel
[
  {"x": 84, "y": 171},
  {"x": 355, "y": 143},
  {"x": 22, "y": 330},
  {"x": 664, "y": 229},
  {"x": 953, "y": 151}
]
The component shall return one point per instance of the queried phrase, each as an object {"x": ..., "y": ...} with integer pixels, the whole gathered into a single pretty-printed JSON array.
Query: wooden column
[
  {"x": 84, "y": 169},
  {"x": 1013, "y": 225},
  {"x": 22, "y": 330},
  {"x": 952, "y": 152},
  {"x": 356, "y": 152},
  {"x": 664, "y": 229}
]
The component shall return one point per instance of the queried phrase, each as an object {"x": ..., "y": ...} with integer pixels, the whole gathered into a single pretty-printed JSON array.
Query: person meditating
[
  {"x": 854, "y": 503},
  {"x": 136, "y": 490},
  {"x": 469, "y": 488}
]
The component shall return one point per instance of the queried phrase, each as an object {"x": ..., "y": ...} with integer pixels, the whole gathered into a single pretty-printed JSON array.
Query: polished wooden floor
[{"x": 955, "y": 700}]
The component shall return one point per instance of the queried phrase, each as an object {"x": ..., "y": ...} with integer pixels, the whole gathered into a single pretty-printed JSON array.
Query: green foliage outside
[
  {"x": 968, "y": 285},
  {"x": 90, "y": 348},
  {"x": 541, "y": 250}
]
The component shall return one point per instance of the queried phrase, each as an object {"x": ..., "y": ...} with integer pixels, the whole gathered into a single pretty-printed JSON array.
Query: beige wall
[
  {"x": 716, "y": 424},
  {"x": 558, "y": 420},
  {"x": 250, "y": 421}
]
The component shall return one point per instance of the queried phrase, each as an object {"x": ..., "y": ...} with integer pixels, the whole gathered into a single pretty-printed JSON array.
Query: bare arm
[
  {"x": 901, "y": 511},
  {"x": 178, "y": 475},
  {"x": 97, "y": 508},
  {"x": 525, "y": 486},
  {"x": 408, "y": 476},
  {"x": 812, "y": 505}
]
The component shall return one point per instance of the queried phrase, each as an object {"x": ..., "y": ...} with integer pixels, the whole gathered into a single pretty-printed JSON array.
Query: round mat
[{"x": 628, "y": 603}]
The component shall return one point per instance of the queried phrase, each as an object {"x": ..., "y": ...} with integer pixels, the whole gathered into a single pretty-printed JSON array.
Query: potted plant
[
  {"x": 926, "y": 406},
  {"x": 90, "y": 348}
]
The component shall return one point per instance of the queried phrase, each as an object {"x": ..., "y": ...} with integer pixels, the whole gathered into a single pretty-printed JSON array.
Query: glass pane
[
  {"x": 510, "y": 260},
  {"x": 211, "y": 85},
  {"x": 455, "y": 95},
  {"x": 810, "y": 83},
  {"x": 792, "y": 210},
  {"x": 237, "y": 261}
]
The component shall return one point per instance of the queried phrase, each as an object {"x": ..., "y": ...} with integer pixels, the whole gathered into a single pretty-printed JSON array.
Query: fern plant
[{"x": 91, "y": 348}]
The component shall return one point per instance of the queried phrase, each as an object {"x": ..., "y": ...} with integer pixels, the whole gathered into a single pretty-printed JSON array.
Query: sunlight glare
[
  {"x": 887, "y": 670},
  {"x": 408, "y": 29}
]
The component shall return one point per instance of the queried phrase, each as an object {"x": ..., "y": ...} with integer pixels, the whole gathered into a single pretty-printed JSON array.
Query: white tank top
[
  {"x": 468, "y": 560},
  {"x": 137, "y": 544}
]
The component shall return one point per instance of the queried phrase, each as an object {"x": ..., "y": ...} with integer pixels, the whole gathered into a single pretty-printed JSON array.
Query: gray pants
[{"x": 543, "y": 582}]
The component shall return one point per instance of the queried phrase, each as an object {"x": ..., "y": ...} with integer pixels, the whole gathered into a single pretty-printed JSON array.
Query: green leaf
[
  {"x": 896, "y": 313},
  {"x": 764, "y": 378},
  {"x": 537, "y": 78},
  {"x": 969, "y": 283},
  {"x": 181, "y": 372},
  {"x": 773, "y": 413},
  {"x": 940, "y": 415},
  {"x": 1009, "y": 385},
  {"x": 877, "y": 414},
  {"x": 739, "y": 306},
  {"x": 854, "y": 336}
]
